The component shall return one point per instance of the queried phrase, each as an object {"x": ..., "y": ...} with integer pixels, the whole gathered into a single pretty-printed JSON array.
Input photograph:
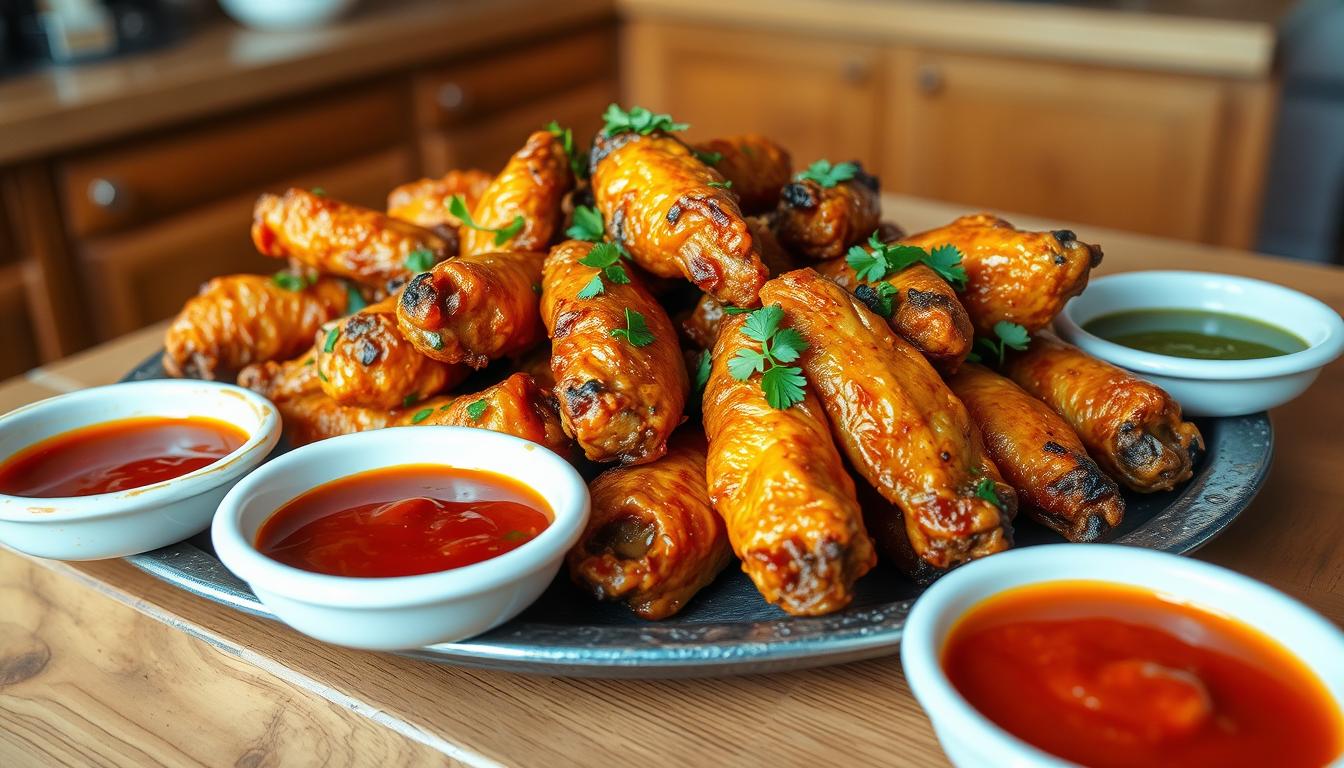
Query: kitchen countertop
[{"x": 102, "y": 663}]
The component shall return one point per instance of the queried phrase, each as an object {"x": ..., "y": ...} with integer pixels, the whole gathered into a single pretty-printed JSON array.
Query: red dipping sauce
[
  {"x": 404, "y": 521},
  {"x": 118, "y": 455},
  {"x": 1107, "y": 675}
]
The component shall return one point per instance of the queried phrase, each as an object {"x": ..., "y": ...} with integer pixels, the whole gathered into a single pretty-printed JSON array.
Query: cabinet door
[
  {"x": 1130, "y": 150},
  {"x": 18, "y": 345},
  {"x": 143, "y": 275},
  {"x": 816, "y": 96}
]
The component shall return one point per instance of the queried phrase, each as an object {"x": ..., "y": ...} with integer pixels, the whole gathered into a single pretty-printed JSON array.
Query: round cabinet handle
[
  {"x": 856, "y": 71},
  {"x": 106, "y": 194},
  {"x": 451, "y": 96},
  {"x": 929, "y": 78}
]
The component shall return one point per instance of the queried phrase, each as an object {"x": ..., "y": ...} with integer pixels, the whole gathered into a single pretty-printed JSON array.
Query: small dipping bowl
[
  {"x": 401, "y": 612},
  {"x": 1211, "y": 387},
  {"x": 973, "y": 741},
  {"x": 137, "y": 519}
]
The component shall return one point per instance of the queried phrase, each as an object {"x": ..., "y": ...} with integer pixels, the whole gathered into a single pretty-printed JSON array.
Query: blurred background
[{"x": 135, "y": 134}]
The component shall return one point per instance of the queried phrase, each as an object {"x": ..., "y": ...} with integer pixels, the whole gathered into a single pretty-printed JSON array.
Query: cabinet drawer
[
  {"x": 18, "y": 344},
  {"x": 143, "y": 275},
  {"x": 116, "y": 187},
  {"x": 463, "y": 92}
]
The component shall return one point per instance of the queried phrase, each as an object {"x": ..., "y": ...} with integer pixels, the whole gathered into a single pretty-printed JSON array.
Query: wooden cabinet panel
[
  {"x": 1131, "y": 150},
  {"x": 489, "y": 143},
  {"x": 817, "y": 96},
  {"x": 138, "y": 181},
  {"x": 144, "y": 275},
  {"x": 18, "y": 344}
]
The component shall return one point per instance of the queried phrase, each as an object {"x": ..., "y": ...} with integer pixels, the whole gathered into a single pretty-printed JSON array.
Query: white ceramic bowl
[
  {"x": 403, "y": 611},
  {"x": 285, "y": 14},
  {"x": 971, "y": 741},
  {"x": 1211, "y": 387},
  {"x": 138, "y": 519}
]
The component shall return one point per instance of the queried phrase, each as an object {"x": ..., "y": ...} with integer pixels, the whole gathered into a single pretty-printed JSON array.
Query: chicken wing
[
  {"x": 1132, "y": 428},
  {"x": 1040, "y": 455},
  {"x": 237, "y": 320},
  {"x": 424, "y": 203},
  {"x": 620, "y": 399},
  {"x": 653, "y": 539},
  {"x": 701, "y": 323},
  {"x": 364, "y": 360},
  {"x": 474, "y": 308},
  {"x": 284, "y": 379},
  {"x": 1013, "y": 275},
  {"x": 339, "y": 238},
  {"x": 675, "y": 216},
  {"x": 898, "y": 422},
  {"x": 756, "y": 167},
  {"x": 313, "y": 416},
  {"x": 822, "y": 222},
  {"x": 779, "y": 483},
  {"x": 531, "y": 186}
]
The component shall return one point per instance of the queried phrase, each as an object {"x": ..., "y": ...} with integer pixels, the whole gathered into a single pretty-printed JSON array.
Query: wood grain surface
[{"x": 131, "y": 671}]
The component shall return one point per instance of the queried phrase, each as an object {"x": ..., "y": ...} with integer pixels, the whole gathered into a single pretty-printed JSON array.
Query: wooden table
[{"x": 102, "y": 663}]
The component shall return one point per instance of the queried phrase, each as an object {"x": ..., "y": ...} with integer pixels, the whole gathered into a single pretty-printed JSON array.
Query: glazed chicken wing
[
  {"x": 701, "y": 323},
  {"x": 674, "y": 216},
  {"x": 339, "y": 238},
  {"x": 238, "y": 320},
  {"x": 782, "y": 489},
  {"x": 1132, "y": 428},
  {"x": 1013, "y": 275},
  {"x": 365, "y": 361},
  {"x": 532, "y": 186},
  {"x": 620, "y": 399},
  {"x": 756, "y": 166},
  {"x": 653, "y": 539},
  {"x": 822, "y": 222},
  {"x": 1040, "y": 456},
  {"x": 312, "y": 416},
  {"x": 284, "y": 379},
  {"x": 424, "y": 203},
  {"x": 474, "y": 308},
  {"x": 898, "y": 422}
]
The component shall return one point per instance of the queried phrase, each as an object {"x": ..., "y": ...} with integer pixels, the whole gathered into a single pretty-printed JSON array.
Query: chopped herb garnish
[
  {"x": 409, "y": 400},
  {"x": 722, "y": 184},
  {"x": 1006, "y": 335},
  {"x": 332, "y": 336},
  {"x": 354, "y": 300},
  {"x": 731, "y": 310},
  {"x": 637, "y": 120},
  {"x": 420, "y": 260},
  {"x": 702, "y": 371},
  {"x": 309, "y": 361},
  {"x": 985, "y": 489},
  {"x": 578, "y": 159},
  {"x": 828, "y": 175},
  {"x": 421, "y": 415},
  {"x": 289, "y": 281},
  {"x": 322, "y": 375},
  {"x": 708, "y": 158},
  {"x": 606, "y": 259},
  {"x": 434, "y": 339},
  {"x": 476, "y": 409},
  {"x": 879, "y": 297},
  {"x": 782, "y": 385},
  {"x": 635, "y": 331},
  {"x": 458, "y": 207},
  {"x": 320, "y": 192},
  {"x": 587, "y": 224},
  {"x": 882, "y": 260}
]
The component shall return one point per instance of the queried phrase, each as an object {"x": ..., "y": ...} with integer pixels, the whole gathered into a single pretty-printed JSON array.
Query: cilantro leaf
[
  {"x": 332, "y": 336},
  {"x": 578, "y": 160},
  {"x": 762, "y": 323},
  {"x": 868, "y": 266},
  {"x": 946, "y": 261},
  {"x": 289, "y": 281},
  {"x": 1007, "y": 335},
  {"x": 702, "y": 371},
  {"x": 601, "y": 256},
  {"x": 593, "y": 288},
  {"x": 708, "y": 158},
  {"x": 587, "y": 224},
  {"x": 420, "y": 260},
  {"x": 320, "y": 192},
  {"x": 458, "y": 208},
  {"x": 787, "y": 345},
  {"x": 882, "y": 260},
  {"x": 409, "y": 400},
  {"x": 879, "y": 297},
  {"x": 722, "y": 184},
  {"x": 606, "y": 259},
  {"x": 985, "y": 489},
  {"x": 421, "y": 415},
  {"x": 637, "y": 120},
  {"x": 476, "y": 409},
  {"x": 745, "y": 363},
  {"x": 354, "y": 300},
  {"x": 636, "y": 331},
  {"x": 731, "y": 310},
  {"x": 828, "y": 175},
  {"x": 782, "y": 385}
]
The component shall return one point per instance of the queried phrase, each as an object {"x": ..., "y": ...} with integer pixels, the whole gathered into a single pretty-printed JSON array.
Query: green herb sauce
[{"x": 1195, "y": 333}]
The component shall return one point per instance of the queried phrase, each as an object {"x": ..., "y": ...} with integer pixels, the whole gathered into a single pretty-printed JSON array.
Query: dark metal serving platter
[{"x": 728, "y": 628}]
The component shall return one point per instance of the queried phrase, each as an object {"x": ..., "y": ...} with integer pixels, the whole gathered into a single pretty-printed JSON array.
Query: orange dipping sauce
[
  {"x": 1107, "y": 675},
  {"x": 118, "y": 455},
  {"x": 404, "y": 521}
]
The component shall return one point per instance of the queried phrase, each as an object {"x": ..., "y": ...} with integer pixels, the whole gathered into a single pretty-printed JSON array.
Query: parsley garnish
[
  {"x": 882, "y": 260},
  {"x": 606, "y": 258},
  {"x": 289, "y": 281},
  {"x": 476, "y": 409},
  {"x": 828, "y": 175},
  {"x": 702, "y": 371},
  {"x": 879, "y": 297},
  {"x": 409, "y": 400},
  {"x": 320, "y": 192},
  {"x": 332, "y": 335},
  {"x": 322, "y": 375},
  {"x": 637, "y": 120},
  {"x": 731, "y": 310},
  {"x": 782, "y": 385},
  {"x": 1007, "y": 335},
  {"x": 587, "y": 224},
  {"x": 635, "y": 331},
  {"x": 309, "y": 361},
  {"x": 708, "y": 158},
  {"x": 985, "y": 489},
  {"x": 421, "y": 415},
  {"x": 578, "y": 160},
  {"x": 419, "y": 260},
  {"x": 458, "y": 207},
  {"x": 354, "y": 300},
  {"x": 722, "y": 184}
]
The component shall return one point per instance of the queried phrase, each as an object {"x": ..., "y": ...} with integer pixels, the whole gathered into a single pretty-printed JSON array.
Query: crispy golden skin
[
  {"x": 823, "y": 222},
  {"x": 371, "y": 364},
  {"x": 1040, "y": 455},
  {"x": 619, "y": 401},
  {"x": 312, "y": 416},
  {"x": 758, "y": 168},
  {"x": 338, "y": 238},
  {"x": 532, "y": 185},
  {"x": 701, "y": 323},
  {"x": 925, "y": 310},
  {"x": 1132, "y": 428},
  {"x": 653, "y": 539},
  {"x": 657, "y": 200},
  {"x": 237, "y": 320},
  {"x": 1013, "y": 275},
  {"x": 424, "y": 203},
  {"x": 897, "y": 421},
  {"x": 782, "y": 489},
  {"x": 474, "y": 308},
  {"x": 283, "y": 380}
]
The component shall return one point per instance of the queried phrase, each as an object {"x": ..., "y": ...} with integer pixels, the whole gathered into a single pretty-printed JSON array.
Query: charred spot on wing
[
  {"x": 1064, "y": 236},
  {"x": 368, "y": 352},
  {"x": 358, "y": 325},
  {"x": 1052, "y": 447},
  {"x": 703, "y": 272},
  {"x": 1086, "y": 481},
  {"x": 1095, "y": 251},
  {"x": 925, "y": 299},
  {"x": 419, "y": 295},
  {"x": 1138, "y": 450},
  {"x": 565, "y": 323},
  {"x": 1061, "y": 259},
  {"x": 583, "y": 397},
  {"x": 799, "y": 195},
  {"x": 865, "y": 178},
  {"x": 674, "y": 213},
  {"x": 604, "y": 145},
  {"x": 868, "y": 295},
  {"x": 716, "y": 214},
  {"x": 394, "y": 283}
]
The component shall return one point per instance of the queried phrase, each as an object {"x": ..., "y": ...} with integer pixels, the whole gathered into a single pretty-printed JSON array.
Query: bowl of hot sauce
[
  {"x": 1113, "y": 656},
  {"x": 401, "y": 538},
  {"x": 116, "y": 470}
]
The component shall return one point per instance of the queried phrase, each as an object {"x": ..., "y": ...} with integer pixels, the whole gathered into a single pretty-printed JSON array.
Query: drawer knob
[
  {"x": 929, "y": 78},
  {"x": 451, "y": 96},
  {"x": 105, "y": 194}
]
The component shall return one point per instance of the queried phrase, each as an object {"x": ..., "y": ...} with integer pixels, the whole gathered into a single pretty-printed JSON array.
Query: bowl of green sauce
[{"x": 1221, "y": 345}]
